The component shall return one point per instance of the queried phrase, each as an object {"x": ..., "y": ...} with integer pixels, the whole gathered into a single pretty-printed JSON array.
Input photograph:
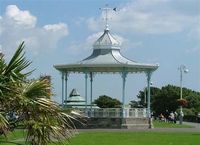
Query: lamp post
[{"x": 182, "y": 69}]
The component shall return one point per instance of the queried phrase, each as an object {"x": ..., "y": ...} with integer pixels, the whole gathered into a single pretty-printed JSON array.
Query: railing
[{"x": 116, "y": 112}]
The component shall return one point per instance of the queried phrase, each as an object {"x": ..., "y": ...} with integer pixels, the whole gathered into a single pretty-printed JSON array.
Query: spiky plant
[{"x": 31, "y": 100}]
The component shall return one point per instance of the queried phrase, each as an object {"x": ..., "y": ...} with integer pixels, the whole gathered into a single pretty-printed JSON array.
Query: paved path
[
  {"x": 196, "y": 128},
  {"x": 196, "y": 125},
  {"x": 143, "y": 130}
]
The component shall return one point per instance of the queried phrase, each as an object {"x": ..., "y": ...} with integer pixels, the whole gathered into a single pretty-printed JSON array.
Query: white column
[
  {"x": 91, "y": 88},
  {"x": 66, "y": 79},
  {"x": 62, "y": 77},
  {"x": 136, "y": 112},
  {"x": 124, "y": 75},
  {"x": 149, "y": 99},
  {"x": 86, "y": 76}
]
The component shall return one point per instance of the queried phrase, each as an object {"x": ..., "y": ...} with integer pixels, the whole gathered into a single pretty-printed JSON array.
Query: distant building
[{"x": 76, "y": 101}]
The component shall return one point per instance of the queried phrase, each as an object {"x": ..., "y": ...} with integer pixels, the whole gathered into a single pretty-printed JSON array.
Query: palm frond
[
  {"x": 3, "y": 124},
  {"x": 17, "y": 64},
  {"x": 36, "y": 88},
  {"x": 46, "y": 122},
  {"x": 44, "y": 119}
]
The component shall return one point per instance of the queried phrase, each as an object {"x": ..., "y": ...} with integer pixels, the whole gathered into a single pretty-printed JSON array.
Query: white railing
[{"x": 116, "y": 112}]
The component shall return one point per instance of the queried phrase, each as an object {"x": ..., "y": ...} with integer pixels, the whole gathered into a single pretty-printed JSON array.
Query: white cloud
[
  {"x": 76, "y": 47},
  {"x": 19, "y": 25},
  {"x": 149, "y": 17},
  {"x": 57, "y": 27},
  {"x": 17, "y": 17}
]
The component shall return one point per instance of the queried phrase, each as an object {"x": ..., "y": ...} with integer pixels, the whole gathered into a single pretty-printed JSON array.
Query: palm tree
[
  {"x": 31, "y": 100},
  {"x": 43, "y": 118}
]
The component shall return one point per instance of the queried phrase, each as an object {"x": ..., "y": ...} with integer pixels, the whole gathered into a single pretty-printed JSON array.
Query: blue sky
[{"x": 63, "y": 31}]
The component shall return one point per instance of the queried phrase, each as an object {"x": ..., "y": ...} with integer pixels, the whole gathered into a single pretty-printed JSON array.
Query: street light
[{"x": 182, "y": 69}]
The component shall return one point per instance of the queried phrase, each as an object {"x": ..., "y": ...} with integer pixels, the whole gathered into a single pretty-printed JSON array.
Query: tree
[
  {"x": 193, "y": 99},
  {"x": 135, "y": 104},
  {"x": 30, "y": 100},
  {"x": 167, "y": 98},
  {"x": 107, "y": 102},
  {"x": 141, "y": 96},
  {"x": 11, "y": 77}
]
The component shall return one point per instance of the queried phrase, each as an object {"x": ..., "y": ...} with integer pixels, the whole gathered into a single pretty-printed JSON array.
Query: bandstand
[{"x": 106, "y": 58}]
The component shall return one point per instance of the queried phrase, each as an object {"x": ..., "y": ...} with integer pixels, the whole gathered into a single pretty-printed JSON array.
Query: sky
[{"x": 63, "y": 31}]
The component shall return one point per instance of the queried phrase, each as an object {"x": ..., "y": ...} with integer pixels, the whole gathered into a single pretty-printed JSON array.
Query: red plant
[{"x": 182, "y": 102}]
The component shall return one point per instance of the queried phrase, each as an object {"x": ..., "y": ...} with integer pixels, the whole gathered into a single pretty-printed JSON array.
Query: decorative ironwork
[{"x": 116, "y": 112}]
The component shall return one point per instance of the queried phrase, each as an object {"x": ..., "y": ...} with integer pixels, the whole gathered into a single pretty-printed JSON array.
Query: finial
[{"x": 106, "y": 9}]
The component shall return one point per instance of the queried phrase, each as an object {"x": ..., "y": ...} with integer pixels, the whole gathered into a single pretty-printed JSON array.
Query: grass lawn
[
  {"x": 13, "y": 138},
  {"x": 126, "y": 138},
  {"x": 135, "y": 138},
  {"x": 159, "y": 124},
  {"x": 122, "y": 138}
]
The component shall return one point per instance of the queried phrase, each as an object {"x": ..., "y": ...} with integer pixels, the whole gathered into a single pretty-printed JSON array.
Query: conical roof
[
  {"x": 106, "y": 41},
  {"x": 75, "y": 97},
  {"x": 74, "y": 92},
  {"x": 106, "y": 50}
]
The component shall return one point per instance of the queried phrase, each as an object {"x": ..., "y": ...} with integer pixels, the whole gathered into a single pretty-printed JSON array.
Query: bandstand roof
[{"x": 106, "y": 57}]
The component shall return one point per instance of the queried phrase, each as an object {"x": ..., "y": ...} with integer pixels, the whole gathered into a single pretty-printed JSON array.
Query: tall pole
[
  {"x": 181, "y": 95},
  {"x": 185, "y": 70},
  {"x": 149, "y": 100}
]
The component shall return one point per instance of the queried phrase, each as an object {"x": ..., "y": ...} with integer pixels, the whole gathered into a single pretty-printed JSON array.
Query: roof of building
[
  {"x": 106, "y": 41},
  {"x": 106, "y": 57},
  {"x": 74, "y": 92},
  {"x": 75, "y": 98},
  {"x": 76, "y": 101}
]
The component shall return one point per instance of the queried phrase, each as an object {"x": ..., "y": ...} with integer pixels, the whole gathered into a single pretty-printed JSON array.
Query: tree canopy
[
  {"x": 107, "y": 102},
  {"x": 166, "y": 98}
]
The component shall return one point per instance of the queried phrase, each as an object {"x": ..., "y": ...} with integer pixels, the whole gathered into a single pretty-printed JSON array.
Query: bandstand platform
[{"x": 113, "y": 118}]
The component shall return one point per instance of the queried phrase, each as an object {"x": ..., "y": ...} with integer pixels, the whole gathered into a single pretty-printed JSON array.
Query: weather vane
[{"x": 106, "y": 9}]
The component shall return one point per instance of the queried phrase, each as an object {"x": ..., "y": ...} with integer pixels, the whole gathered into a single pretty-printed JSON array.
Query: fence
[{"x": 116, "y": 112}]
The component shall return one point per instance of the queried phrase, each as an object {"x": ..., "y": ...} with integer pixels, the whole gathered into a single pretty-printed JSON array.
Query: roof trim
[{"x": 106, "y": 68}]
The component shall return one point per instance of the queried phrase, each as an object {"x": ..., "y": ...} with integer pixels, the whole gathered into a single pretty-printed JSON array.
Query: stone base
[
  {"x": 113, "y": 123},
  {"x": 135, "y": 123}
]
